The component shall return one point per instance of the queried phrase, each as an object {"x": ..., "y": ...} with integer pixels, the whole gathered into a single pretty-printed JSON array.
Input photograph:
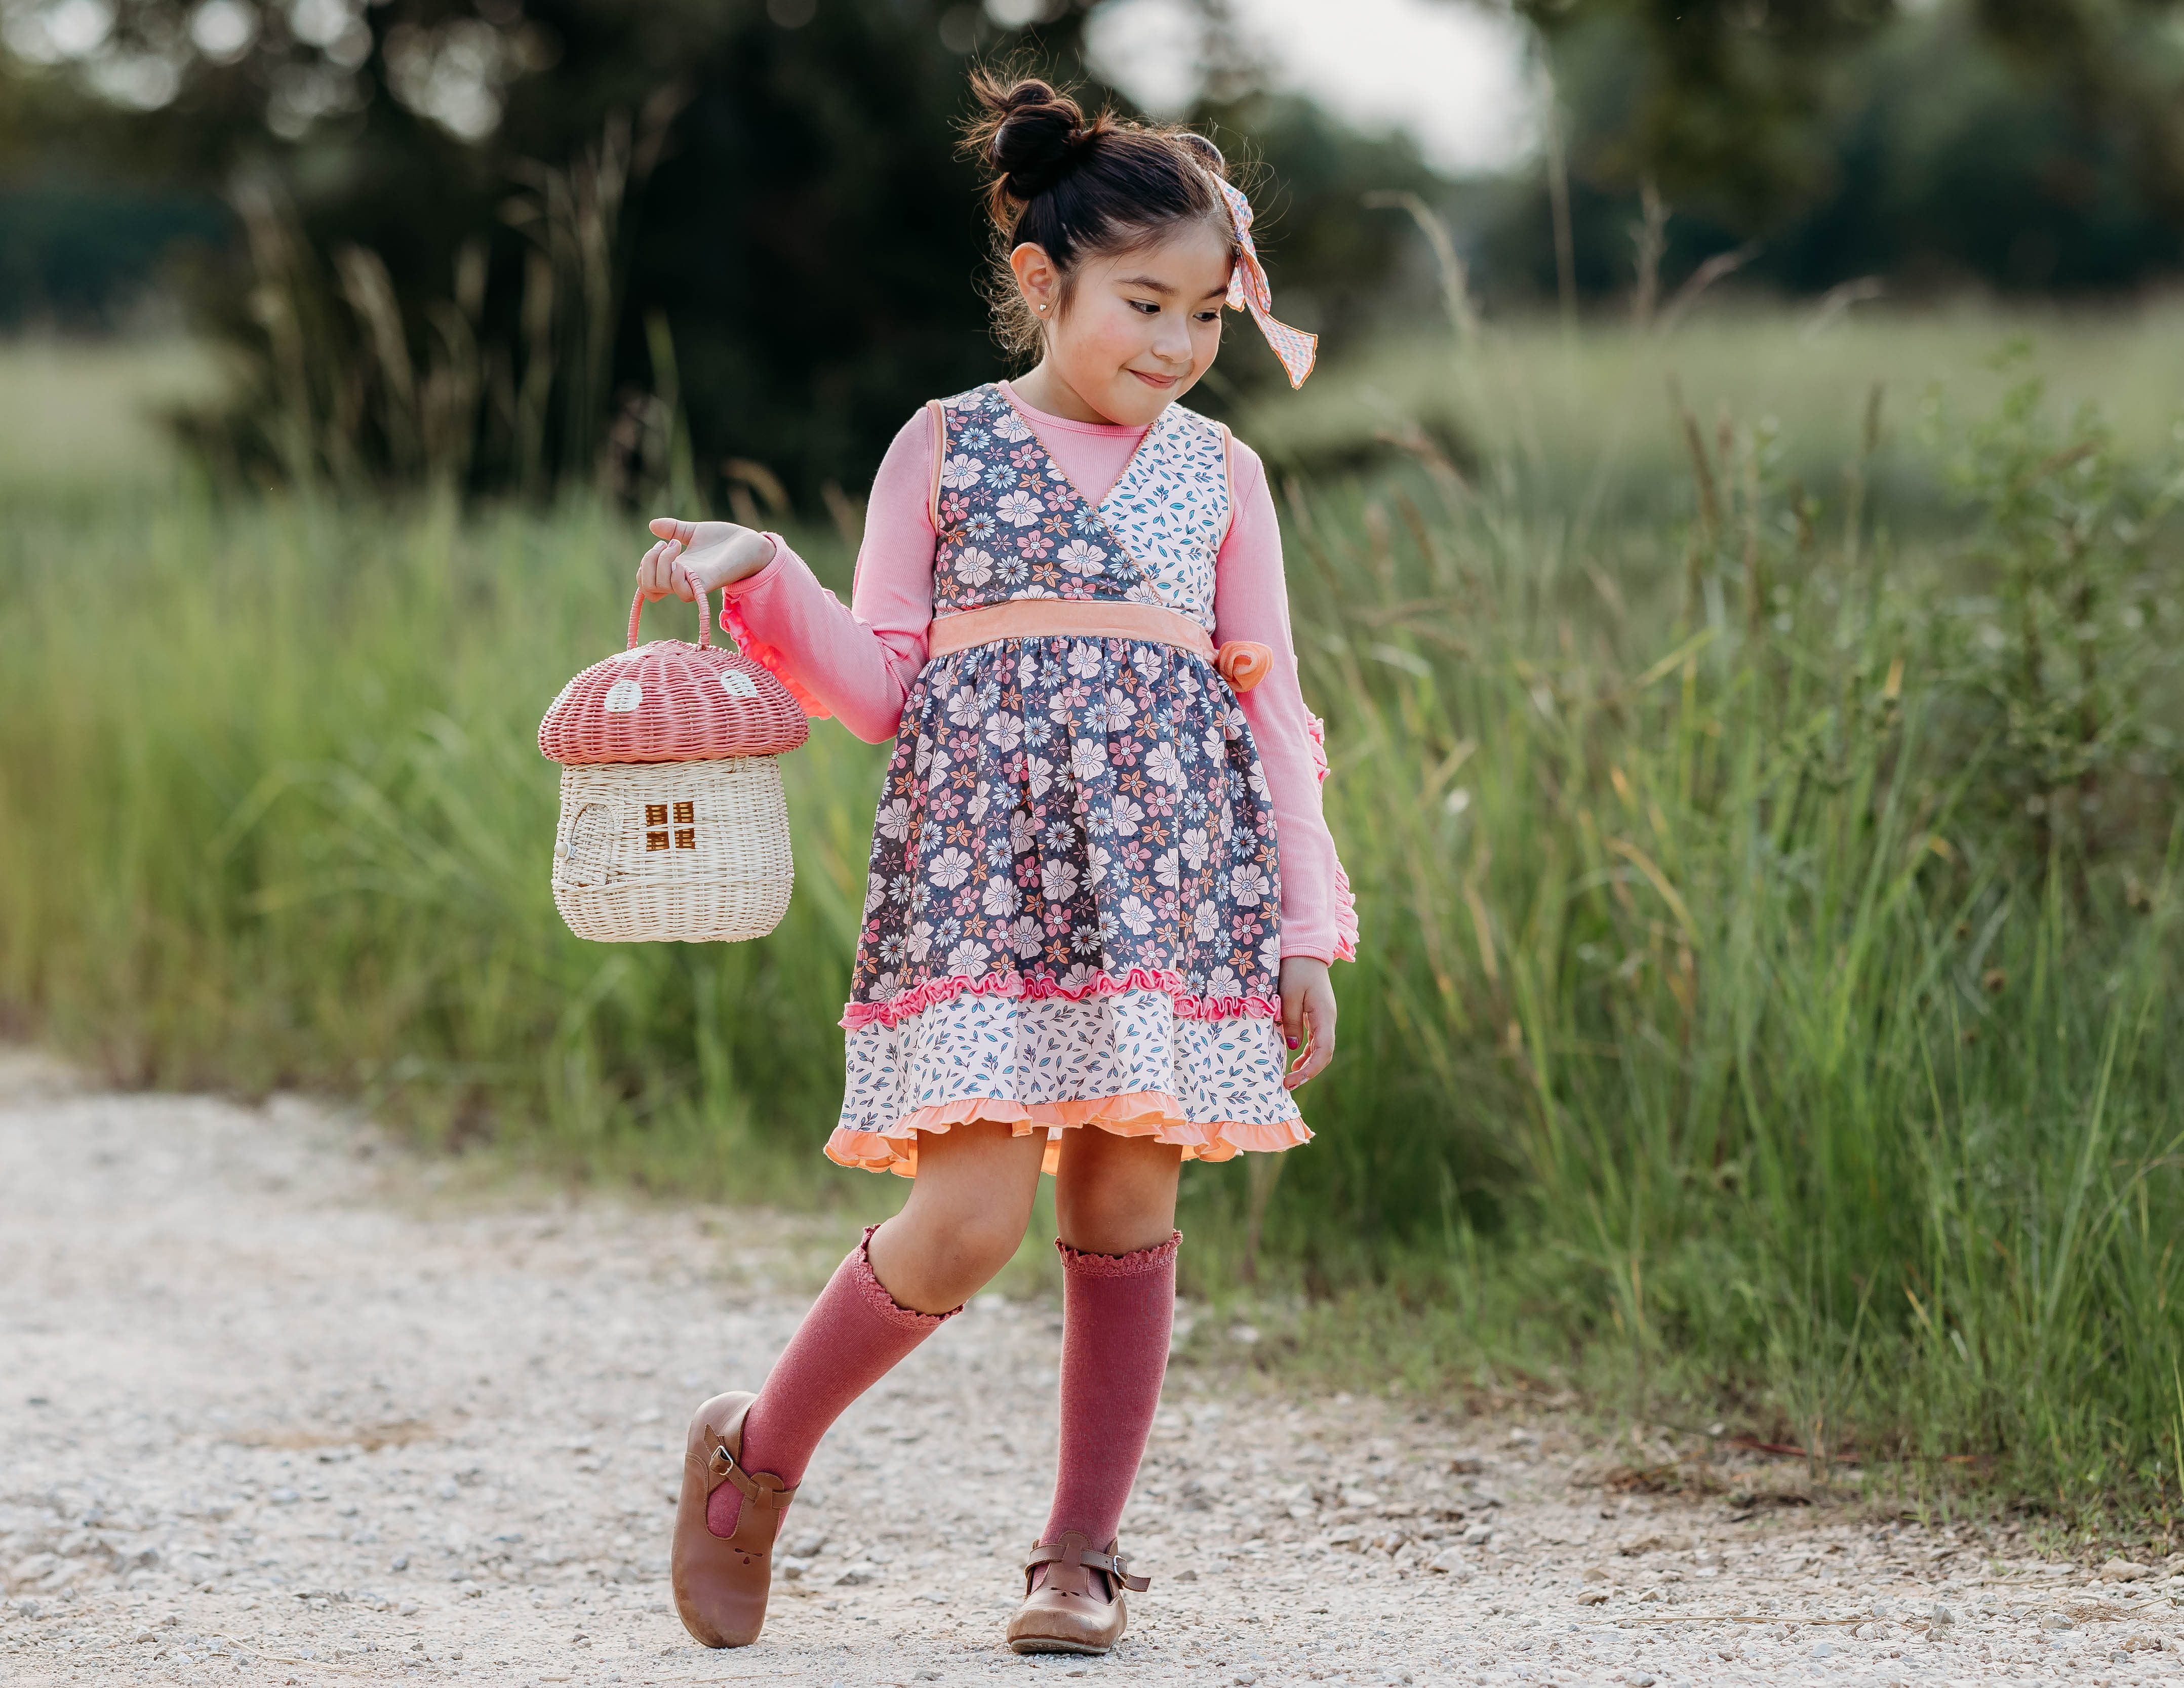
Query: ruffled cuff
[
  {"x": 1161, "y": 1257},
  {"x": 1345, "y": 901},
  {"x": 874, "y": 1293},
  {"x": 768, "y": 657}
]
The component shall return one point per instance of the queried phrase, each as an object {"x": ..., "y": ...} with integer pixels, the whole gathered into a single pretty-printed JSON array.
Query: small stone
[
  {"x": 1593, "y": 1596},
  {"x": 1597, "y": 1573},
  {"x": 1822, "y": 1649},
  {"x": 856, "y": 1574},
  {"x": 2055, "y": 1620},
  {"x": 1449, "y": 1563},
  {"x": 1188, "y": 1574},
  {"x": 2124, "y": 1571},
  {"x": 1941, "y": 1614},
  {"x": 401, "y": 1562},
  {"x": 1638, "y": 1679},
  {"x": 1478, "y": 1535}
]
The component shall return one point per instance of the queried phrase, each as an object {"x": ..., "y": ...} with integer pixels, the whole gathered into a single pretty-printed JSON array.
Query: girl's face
[{"x": 1139, "y": 328}]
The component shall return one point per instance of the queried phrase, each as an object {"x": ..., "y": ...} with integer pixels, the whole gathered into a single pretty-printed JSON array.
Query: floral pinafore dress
[{"x": 1072, "y": 916}]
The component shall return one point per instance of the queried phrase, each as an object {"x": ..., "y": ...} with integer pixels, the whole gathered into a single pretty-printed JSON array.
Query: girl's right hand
[{"x": 695, "y": 556}]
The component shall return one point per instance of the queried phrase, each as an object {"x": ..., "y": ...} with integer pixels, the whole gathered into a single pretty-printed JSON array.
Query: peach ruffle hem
[{"x": 1136, "y": 1113}]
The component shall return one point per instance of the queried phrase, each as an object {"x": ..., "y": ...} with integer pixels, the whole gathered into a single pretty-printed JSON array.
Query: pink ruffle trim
[
  {"x": 874, "y": 1293},
  {"x": 1135, "y": 1113},
  {"x": 1346, "y": 915},
  {"x": 898, "y": 1008},
  {"x": 1346, "y": 902},
  {"x": 768, "y": 657},
  {"x": 1161, "y": 1257}
]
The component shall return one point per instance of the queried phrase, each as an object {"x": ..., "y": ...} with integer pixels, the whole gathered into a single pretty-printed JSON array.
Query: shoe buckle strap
[
  {"x": 1116, "y": 1564},
  {"x": 723, "y": 1465}
]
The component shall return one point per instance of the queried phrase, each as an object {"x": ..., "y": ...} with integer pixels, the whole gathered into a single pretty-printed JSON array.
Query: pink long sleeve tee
[{"x": 861, "y": 661}]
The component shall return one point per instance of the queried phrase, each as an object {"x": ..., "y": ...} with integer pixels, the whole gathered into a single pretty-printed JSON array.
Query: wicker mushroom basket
[{"x": 673, "y": 826}]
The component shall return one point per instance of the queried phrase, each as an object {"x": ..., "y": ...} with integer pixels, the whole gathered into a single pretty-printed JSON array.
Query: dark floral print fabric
[{"x": 1068, "y": 817}]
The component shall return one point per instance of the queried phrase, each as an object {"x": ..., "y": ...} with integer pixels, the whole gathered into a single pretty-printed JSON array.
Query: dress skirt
[{"x": 1073, "y": 911}]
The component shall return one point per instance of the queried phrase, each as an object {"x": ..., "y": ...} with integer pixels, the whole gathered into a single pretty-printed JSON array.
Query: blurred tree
[
  {"x": 1723, "y": 98},
  {"x": 2021, "y": 146},
  {"x": 505, "y": 195},
  {"x": 487, "y": 239}
]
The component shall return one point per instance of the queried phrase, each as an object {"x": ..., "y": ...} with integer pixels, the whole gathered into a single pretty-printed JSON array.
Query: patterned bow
[{"x": 1248, "y": 290}]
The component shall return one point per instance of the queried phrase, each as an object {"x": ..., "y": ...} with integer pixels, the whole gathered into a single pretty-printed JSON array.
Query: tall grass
[
  {"x": 1769, "y": 991},
  {"x": 1798, "y": 985},
  {"x": 273, "y": 813}
]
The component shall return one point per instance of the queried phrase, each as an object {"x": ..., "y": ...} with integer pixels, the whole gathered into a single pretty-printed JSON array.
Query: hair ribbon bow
[{"x": 1249, "y": 290}]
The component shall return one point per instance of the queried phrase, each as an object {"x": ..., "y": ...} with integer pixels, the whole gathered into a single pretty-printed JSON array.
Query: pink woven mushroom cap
[{"x": 670, "y": 701}]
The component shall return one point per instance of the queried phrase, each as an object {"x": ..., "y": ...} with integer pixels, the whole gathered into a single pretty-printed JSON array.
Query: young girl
[{"x": 1102, "y": 899}]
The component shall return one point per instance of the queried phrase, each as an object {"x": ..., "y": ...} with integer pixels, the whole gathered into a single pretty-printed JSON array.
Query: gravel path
[{"x": 274, "y": 1409}]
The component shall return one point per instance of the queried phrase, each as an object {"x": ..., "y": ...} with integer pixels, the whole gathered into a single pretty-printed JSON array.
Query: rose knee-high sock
[
  {"x": 1117, "y": 1312},
  {"x": 853, "y": 1336}
]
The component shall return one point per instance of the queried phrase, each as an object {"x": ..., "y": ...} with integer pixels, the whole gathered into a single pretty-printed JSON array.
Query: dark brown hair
[{"x": 1080, "y": 188}]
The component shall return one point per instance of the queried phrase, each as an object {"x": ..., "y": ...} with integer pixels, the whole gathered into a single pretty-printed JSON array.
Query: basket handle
[{"x": 704, "y": 620}]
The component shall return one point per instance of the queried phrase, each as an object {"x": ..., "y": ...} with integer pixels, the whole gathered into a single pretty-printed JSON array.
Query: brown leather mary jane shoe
[
  {"x": 1071, "y": 1611},
  {"x": 720, "y": 1582}
]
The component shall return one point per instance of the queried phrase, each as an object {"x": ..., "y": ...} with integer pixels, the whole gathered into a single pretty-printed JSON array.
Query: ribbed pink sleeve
[
  {"x": 861, "y": 660},
  {"x": 1252, "y": 601}
]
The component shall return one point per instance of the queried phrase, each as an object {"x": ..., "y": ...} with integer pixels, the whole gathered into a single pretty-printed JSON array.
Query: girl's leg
[
  {"x": 1115, "y": 1200},
  {"x": 965, "y": 1217}
]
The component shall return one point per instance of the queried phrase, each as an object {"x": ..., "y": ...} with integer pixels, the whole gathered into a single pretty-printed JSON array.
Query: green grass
[
  {"x": 82, "y": 418},
  {"x": 1579, "y": 427},
  {"x": 1769, "y": 1003}
]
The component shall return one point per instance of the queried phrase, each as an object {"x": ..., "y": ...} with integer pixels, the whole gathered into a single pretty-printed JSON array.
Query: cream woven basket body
[{"x": 673, "y": 826}]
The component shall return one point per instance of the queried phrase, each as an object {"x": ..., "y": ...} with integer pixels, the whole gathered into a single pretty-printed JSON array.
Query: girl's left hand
[
  {"x": 1307, "y": 1017},
  {"x": 695, "y": 555}
]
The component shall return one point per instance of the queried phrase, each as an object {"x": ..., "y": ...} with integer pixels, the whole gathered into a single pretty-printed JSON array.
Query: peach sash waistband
[{"x": 1243, "y": 663}]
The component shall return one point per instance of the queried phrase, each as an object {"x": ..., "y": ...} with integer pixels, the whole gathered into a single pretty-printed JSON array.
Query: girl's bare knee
[{"x": 1116, "y": 1195}]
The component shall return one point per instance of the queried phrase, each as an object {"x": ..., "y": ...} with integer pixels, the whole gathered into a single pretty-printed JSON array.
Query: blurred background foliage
[{"x": 536, "y": 243}]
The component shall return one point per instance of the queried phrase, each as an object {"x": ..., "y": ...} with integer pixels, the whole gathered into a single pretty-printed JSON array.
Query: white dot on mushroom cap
[
  {"x": 736, "y": 683},
  {"x": 624, "y": 696}
]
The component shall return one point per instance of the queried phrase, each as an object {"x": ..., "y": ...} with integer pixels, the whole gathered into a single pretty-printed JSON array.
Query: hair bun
[{"x": 1038, "y": 136}]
